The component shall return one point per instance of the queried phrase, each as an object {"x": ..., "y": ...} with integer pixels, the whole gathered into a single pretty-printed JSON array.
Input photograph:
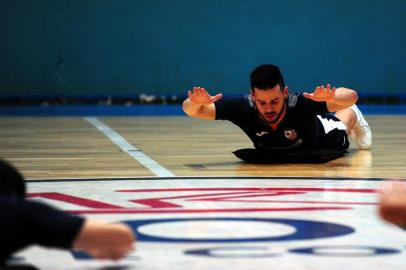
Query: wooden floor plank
[{"x": 70, "y": 147}]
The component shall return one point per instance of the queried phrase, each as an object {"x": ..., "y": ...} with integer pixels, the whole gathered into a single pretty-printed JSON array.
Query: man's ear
[
  {"x": 286, "y": 92},
  {"x": 252, "y": 93}
]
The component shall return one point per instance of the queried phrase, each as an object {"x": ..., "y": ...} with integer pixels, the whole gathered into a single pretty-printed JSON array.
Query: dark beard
[{"x": 277, "y": 118}]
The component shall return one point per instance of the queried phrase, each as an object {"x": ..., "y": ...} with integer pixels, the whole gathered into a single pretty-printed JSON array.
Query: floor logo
[{"x": 225, "y": 199}]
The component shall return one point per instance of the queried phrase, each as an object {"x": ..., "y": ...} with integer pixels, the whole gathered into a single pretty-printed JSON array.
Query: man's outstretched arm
[
  {"x": 336, "y": 99},
  {"x": 200, "y": 104}
]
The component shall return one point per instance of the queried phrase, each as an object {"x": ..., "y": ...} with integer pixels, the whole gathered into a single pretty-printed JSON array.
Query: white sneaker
[{"x": 363, "y": 135}]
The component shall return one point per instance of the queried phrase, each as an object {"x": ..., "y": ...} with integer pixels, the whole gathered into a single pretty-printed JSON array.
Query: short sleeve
[
  {"x": 307, "y": 105},
  {"x": 221, "y": 111},
  {"x": 51, "y": 227},
  {"x": 232, "y": 109},
  {"x": 24, "y": 223}
]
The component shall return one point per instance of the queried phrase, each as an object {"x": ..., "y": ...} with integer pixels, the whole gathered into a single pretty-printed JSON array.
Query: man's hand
[
  {"x": 200, "y": 96},
  {"x": 105, "y": 240},
  {"x": 322, "y": 93},
  {"x": 392, "y": 204}
]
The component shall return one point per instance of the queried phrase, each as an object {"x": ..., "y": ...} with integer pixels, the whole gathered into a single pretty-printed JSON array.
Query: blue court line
[
  {"x": 92, "y": 110},
  {"x": 147, "y": 110},
  {"x": 383, "y": 109}
]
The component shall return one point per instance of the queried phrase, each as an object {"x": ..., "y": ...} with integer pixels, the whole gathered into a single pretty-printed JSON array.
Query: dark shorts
[{"x": 330, "y": 133}]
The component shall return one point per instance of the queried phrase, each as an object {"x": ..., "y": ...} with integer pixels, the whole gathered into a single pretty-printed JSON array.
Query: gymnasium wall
[{"x": 93, "y": 48}]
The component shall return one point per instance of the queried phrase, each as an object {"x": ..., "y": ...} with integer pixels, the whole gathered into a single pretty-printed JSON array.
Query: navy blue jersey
[
  {"x": 24, "y": 222},
  {"x": 306, "y": 125}
]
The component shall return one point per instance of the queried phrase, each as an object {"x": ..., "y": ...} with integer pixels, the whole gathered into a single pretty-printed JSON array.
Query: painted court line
[
  {"x": 135, "y": 153},
  {"x": 216, "y": 178}
]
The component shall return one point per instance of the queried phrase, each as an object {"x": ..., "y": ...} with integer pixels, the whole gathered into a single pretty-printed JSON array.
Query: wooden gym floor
[{"x": 71, "y": 147}]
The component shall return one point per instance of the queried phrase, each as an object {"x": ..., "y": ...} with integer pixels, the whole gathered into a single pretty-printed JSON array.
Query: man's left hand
[{"x": 322, "y": 93}]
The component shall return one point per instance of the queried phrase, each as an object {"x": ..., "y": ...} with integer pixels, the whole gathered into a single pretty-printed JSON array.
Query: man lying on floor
[{"x": 280, "y": 122}]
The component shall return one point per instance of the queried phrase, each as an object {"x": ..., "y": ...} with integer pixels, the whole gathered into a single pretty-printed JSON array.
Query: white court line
[{"x": 135, "y": 153}]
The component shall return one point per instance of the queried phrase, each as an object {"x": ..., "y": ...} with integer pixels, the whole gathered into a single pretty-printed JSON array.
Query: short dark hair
[
  {"x": 266, "y": 76},
  {"x": 11, "y": 181}
]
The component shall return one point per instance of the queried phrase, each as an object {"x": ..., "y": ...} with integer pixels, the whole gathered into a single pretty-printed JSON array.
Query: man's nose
[{"x": 268, "y": 108}]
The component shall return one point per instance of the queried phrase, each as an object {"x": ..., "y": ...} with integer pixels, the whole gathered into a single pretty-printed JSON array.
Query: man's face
[{"x": 270, "y": 103}]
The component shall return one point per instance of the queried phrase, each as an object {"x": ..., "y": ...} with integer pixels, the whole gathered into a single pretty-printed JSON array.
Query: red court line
[
  {"x": 158, "y": 202},
  {"x": 73, "y": 199},
  {"x": 281, "y": 201},
  {"x": 191, "y": 211},
  {"x": 251, "y": 189}
]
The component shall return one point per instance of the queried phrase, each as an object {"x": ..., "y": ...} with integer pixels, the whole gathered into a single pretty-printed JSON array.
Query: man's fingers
[
  {"x": 321, "y": 93},
  {"x": 199, "y": 95},
  {"x": 197, "y": 91},
  {"x": 318, "y": 90},
  {"x": 204, "y": 92},
  {"x": 216, "y": 97},
  {"x": 308, "y": 95}
]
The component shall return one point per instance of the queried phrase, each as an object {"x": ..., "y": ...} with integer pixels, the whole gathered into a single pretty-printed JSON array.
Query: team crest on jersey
[{"x": 290, "y": 134}]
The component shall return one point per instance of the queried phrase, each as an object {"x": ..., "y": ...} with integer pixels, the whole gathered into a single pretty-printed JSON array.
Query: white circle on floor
[
  {"x": 343, "y": 251},
  {"x": 216, "y": 229},
  {"x": 252, "y": 251}
]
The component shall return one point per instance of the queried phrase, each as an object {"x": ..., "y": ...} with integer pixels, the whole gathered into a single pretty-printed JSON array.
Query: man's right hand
[
  {"x": 200, "y": 104},
  {"x": 200, "y": 96}
]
